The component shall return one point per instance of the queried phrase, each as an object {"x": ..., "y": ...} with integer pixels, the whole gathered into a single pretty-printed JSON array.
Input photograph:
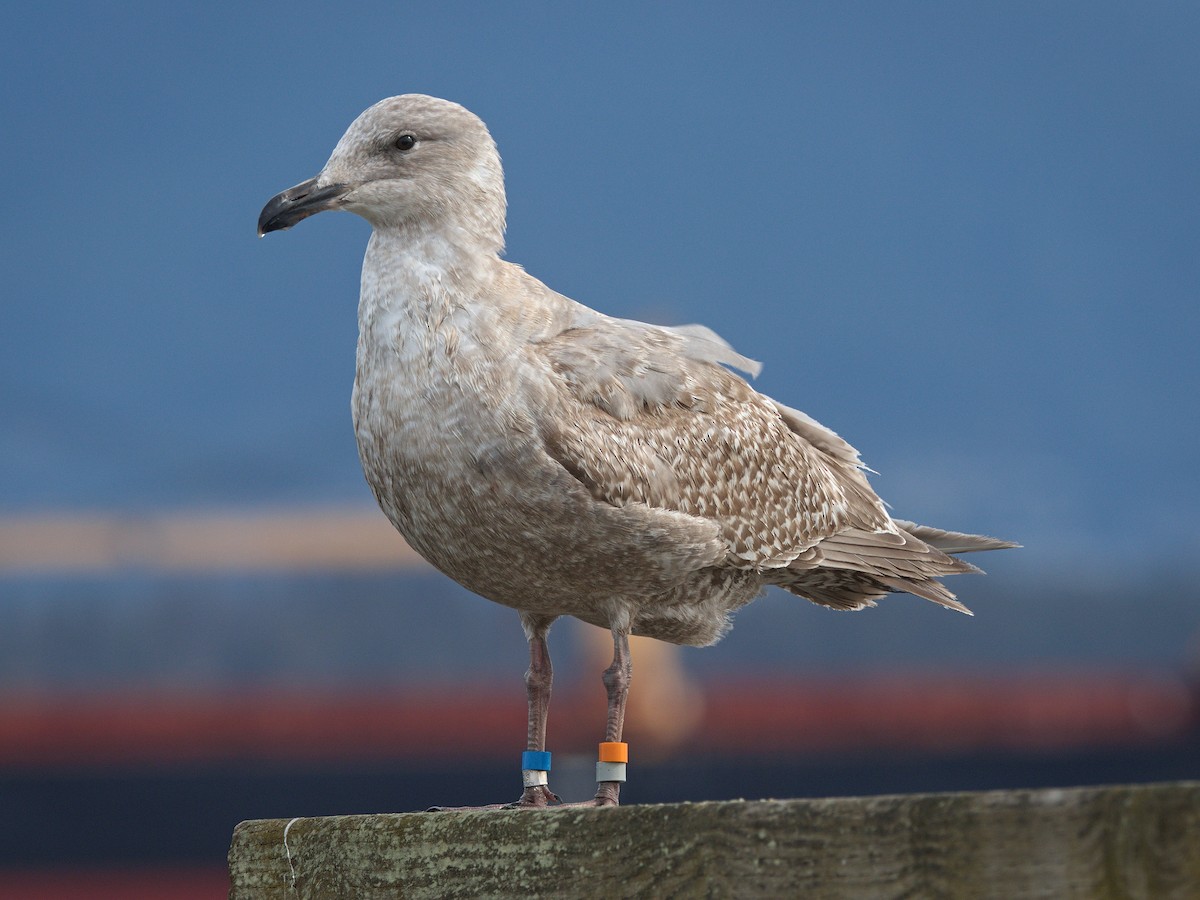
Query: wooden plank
[{"x": 1127, "y": 841}]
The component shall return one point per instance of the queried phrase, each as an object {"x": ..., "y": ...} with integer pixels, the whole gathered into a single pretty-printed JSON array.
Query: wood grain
[{"x": 1136, "y": 841}]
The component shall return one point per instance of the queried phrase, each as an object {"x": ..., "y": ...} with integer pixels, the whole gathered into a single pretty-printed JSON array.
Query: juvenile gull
[{"x": 566, "y": 463}]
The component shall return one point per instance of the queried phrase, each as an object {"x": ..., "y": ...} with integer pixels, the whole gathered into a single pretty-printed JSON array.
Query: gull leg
[
  {"x": 539, "y": 679},
  {"x": 616, "y": 682}
]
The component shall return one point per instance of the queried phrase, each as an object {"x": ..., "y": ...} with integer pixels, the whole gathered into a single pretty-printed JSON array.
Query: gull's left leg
[{"x": 616, "y": 682}]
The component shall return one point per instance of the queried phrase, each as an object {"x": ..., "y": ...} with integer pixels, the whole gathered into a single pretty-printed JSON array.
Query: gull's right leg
[{"x": 539, "y": 679}]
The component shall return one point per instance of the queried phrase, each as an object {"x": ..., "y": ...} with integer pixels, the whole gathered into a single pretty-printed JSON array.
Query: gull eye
[{"x": 405, "y": 142}]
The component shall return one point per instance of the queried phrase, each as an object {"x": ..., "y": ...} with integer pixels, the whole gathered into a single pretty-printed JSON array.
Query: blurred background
[{"x": 964, "y": 237}]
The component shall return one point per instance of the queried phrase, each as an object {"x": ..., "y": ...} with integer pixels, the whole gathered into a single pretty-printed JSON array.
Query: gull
[{"x": 563, "y": 462}]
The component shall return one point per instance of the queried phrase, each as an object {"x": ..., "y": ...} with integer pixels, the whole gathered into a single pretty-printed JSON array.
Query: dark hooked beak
[{"x": 299, "y": 202}]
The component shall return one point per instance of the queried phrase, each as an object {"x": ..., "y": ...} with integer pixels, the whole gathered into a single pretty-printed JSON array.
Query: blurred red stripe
[
  {"x": 176, "y": 882},
  {"x": 747, "y": 716}
]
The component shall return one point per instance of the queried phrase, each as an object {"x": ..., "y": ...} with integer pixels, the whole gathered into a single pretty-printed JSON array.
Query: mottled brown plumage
[{"x": 563, "y": 462}]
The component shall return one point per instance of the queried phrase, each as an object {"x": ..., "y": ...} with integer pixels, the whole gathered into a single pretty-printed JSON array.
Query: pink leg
[
  {"x": 616, "y": 682},
  {"x": 539, "y": 680}
]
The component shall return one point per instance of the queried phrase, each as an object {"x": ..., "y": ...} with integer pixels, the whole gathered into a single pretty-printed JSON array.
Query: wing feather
[{"x": 654, "y": 418}]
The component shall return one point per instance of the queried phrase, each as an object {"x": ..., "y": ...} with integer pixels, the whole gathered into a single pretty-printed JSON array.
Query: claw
[{"x": 536, "y": 797}]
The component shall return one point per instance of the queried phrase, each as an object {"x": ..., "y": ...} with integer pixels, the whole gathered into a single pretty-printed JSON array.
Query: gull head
[{"x": 408, "y": 162}]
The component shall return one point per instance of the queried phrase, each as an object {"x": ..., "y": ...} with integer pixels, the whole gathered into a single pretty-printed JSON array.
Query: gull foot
[
  {"x": 536, "y": 797},
  {"x": 608, "y": 793}
]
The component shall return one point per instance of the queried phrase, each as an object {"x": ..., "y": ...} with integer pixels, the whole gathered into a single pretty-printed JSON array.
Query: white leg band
[
  {"x": 534, "y": 777},
  {"x": 610, "y": 771}
]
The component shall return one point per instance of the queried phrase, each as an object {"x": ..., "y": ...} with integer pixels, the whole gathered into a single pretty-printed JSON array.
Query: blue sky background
[{"x": 962, "y": 235}]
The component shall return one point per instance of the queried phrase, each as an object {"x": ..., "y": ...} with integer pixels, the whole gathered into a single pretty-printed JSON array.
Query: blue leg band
[{"x": 536, "y": 759}]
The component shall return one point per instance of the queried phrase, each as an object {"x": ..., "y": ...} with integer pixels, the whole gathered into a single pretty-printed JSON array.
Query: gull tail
[
  {"x": 954, "y": 541},
  {"x": 855, "y": 568}
]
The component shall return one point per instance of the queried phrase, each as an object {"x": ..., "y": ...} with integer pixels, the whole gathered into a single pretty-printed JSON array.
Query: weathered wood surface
[{"x": 1105, "y": 842}]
